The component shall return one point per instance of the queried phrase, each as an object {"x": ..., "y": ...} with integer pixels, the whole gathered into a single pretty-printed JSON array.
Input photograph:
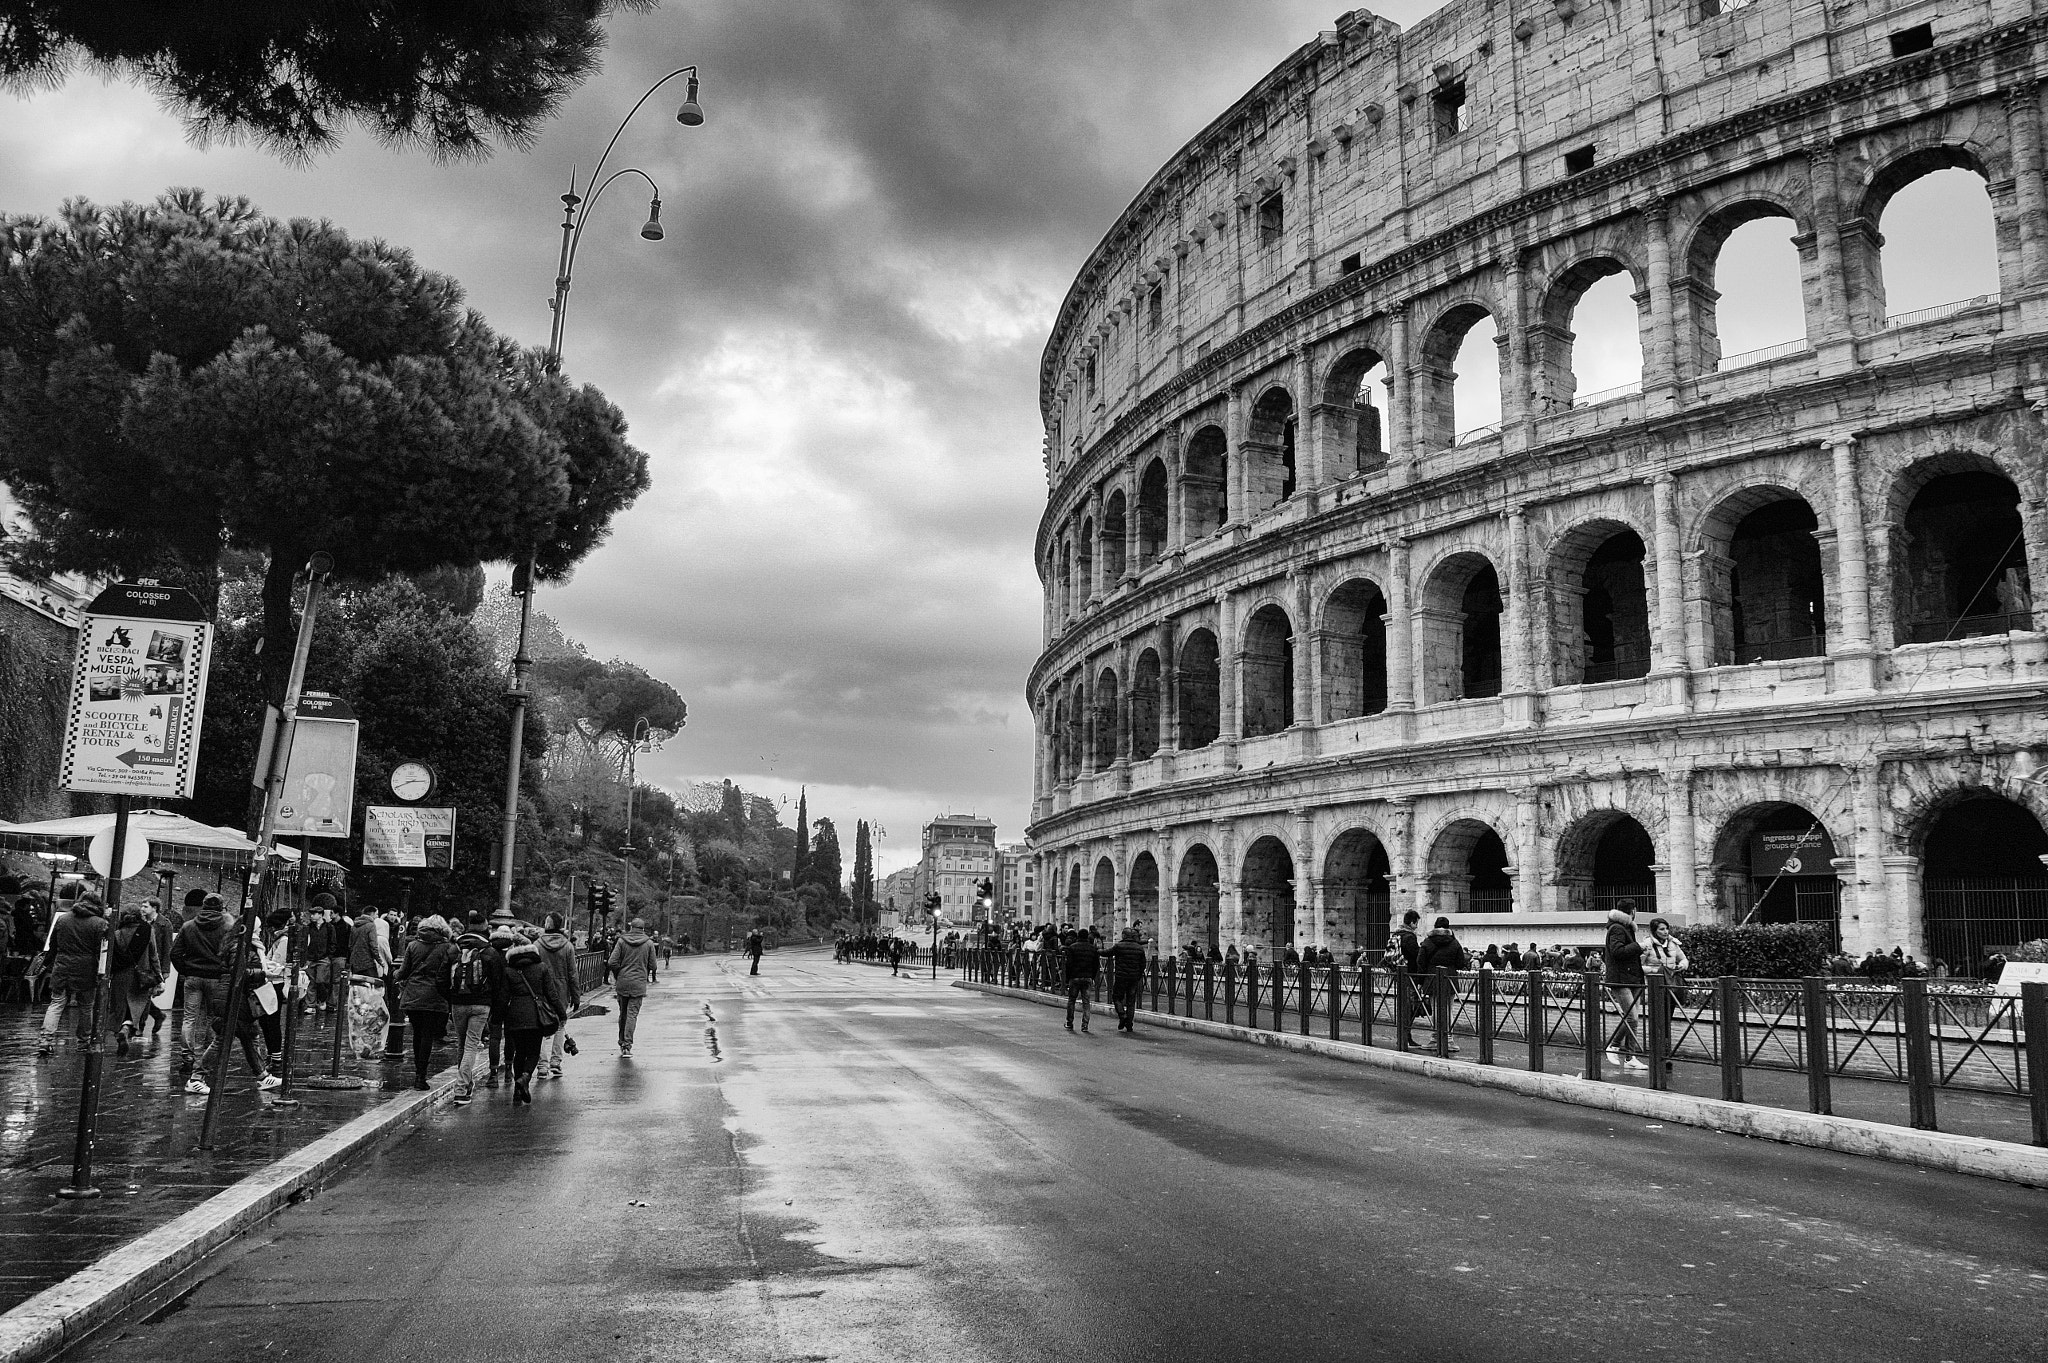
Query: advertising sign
[
  {"x": 1808, "y": 852},
  {"x": 2017, "y": 973},
  {"x": 138, "y": 690},
  {"x": 407, "y": 836},
  {"x": 320, "y": 770}
]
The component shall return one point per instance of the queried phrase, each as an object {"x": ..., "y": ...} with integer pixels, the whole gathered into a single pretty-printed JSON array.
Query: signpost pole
[
  {"x": 317, "y": 569},
  {"x": 95, "y": 1049}
]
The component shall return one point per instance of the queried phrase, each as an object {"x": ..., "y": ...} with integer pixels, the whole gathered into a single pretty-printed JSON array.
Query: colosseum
[{"x": 1747, "y": 634}]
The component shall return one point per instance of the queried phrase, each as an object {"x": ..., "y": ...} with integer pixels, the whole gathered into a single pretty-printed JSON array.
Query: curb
[{"x": 1979, "y": 1156}]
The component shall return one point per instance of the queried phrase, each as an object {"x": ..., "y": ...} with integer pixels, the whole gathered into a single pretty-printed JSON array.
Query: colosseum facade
[{"x": 1751, "y": 637}]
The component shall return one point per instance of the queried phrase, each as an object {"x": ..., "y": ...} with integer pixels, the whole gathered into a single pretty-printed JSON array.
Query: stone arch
[
  {"x": 1205, "y": 482},
  {"x": 1198, "y": 690},
  {"x": 1605, "y": 857},
  {"x": 1458, "y": 620},
  {"x": 1764, "y": 585},
  {"x": 1774, "y": 863},
  {"x": 1102, "y": 896},
  {"x": 1270, "y": 438},
  {"x": 1433, "y": 403},
  {"x": 1145, "y": 711},
  {"x": 1702, "y": 255},
  {"x": 1064, "y": 585},
  {"x": 1357, "y": 892},
  {"x": 1969, "y": 228},
  {"x": 1353, "y": 643},
  {"x": 1196, "y": 898},
  {"x": 1268, "y": 672},
  {"x": 1266, "y": 890},
  {"x": 1142, "y": 890},
  {"x": 1355, "y": 432},
  {"x": 1468, "y": 868},
  {"x": 1113, "y": 531},
  {"x": 1084, "y": 564},
  {"x": 1601, "y": 621},
  {"x": 1152, "y": 513},
  {"x": 1983, "y": 887},
  {"x": 1958, "y": 551},
  {"x": 1107, "y": 745},
  {"x": 1077, "y": 728},
  {"x": 1554, "y": 338},
  {"x": 1073, "y": 906}
]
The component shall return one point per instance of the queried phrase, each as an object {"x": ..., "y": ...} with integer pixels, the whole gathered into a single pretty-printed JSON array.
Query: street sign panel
[
  {"x": 138, "y": 692},
  {"x": 407, "y": 836},
  {"x": 320, "y": 770}
]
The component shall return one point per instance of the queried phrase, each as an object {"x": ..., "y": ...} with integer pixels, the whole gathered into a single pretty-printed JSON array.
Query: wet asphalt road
[{"x": 838, "y": 1165}]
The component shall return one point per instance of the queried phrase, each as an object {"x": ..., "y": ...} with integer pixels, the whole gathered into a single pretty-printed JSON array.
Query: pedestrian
[
  {"x": 560, "y": 954},
  {"x": 1441, "y": 948},
  {"x": 535, "y": 1005},
  {"x": 1405, "y": 949},
  {"x": 423, "y": 991},
  {"x": 340, "y": 940},
  {"x": 319, "y": 950},
  {"x": 632, "y": 967},
  {"x": 161, "y": 932},
  {"x": 1127, "y": 974},
  {"x": 135, "y": 974},
  {"x": 1080, "y": 962},
  {"x": 203, "y": 953},
  {"x": 476, "y": 991},
  {"x": 1491, "y": 959},
  {"x": 755, "y": 945},
  {"x": 895, "y": 954},
  {"x": 1624, "y": 960},
  {"x": 74, "y": 967}
]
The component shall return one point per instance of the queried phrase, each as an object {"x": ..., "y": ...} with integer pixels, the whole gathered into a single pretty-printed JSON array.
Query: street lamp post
[
  {"x": 640, "y": 727},
  {"x": 690, "y": 115}
]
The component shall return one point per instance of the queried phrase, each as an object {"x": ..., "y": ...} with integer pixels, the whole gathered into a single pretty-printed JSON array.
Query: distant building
[
  {"x": 1016, "y": 884},
  {"x": 959, "y": 853},
  {"x": 898, "y": 891}
]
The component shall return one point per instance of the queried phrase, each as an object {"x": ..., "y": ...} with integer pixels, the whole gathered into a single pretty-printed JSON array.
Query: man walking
[
  {"x": 476, "y": 988},
  {"x": 1080, "y": 962},
  {"x": 1624, "y": 962},
  {"x": 1127, "y": 973},
  {"x": 754, "y": 946},
  {"x": 632, "y": 967}
]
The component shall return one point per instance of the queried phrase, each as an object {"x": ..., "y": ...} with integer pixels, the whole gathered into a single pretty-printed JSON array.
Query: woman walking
[
  {"x": 560, "y": 954},
  {"x": 535, "y": 1005},
  {"x": 136, "y": 973},
  {"x": 423, "y": 992}
]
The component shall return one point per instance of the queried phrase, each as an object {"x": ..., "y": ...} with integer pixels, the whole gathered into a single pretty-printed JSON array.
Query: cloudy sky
[{"x": 831, "y": 359}]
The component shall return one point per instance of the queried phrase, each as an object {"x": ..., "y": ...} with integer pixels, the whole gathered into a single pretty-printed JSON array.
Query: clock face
[{"x": 412, "y": 780}]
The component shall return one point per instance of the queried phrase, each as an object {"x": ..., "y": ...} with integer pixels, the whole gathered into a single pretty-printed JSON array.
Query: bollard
[
  {"x": 1539, "y": 1021},
  {"x": 2034, "y": 1016},
  {"x": 1404, "y": 1005},
  {"x": 1485, "y": 992},
  {"x": 1819, "y": 1098},
  {"x": 1209, "y": 990},
  {"x": 1658, "y": 1003},
  {"x": 1919, "y": 1054},
  {"x": 1592, "y": 1022},
  {"x": 1365, "y": 1002},
  {"x": 1440, "y": 1001},
  {"x": 1335, "y": 993},
  {"x": 1728, "y": 1036},
  {"x": 1229, "y": 993}
]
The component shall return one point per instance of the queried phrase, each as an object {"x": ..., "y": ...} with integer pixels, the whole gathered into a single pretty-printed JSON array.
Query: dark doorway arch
[
  {"x": 1357, "y": 892},
  {"x": 1144, "y": 896},
  {"x": 1775, "y": 864},
  {"x": 1267, "y": 890},
  {"x": 1145, "y": 706},
  {"x": 1269, "y": 451},
  {"x": 1268, "y": 672},
  {"x": 1205, "y": 484},
  {"x": 1198, "y": 692},
  {"x": 1102, "y": 900},
  {"x": 1354, "y": 643},
  {"x": 1982, "y": 885},
  {"x": 1468, "y": 870},
  {"x": 1106, "y": 713},
  {"x": 1195, "y": 898},
  {"x": 1151, "y": 513},
  {"x": 1963, "y": 572},
  {"x": 1113, "y": 529}
]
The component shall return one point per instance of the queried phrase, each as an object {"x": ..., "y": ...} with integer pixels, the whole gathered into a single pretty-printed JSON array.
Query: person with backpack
[
  {"x": 1404, "y": 950},
  {"x": 1080, "y": 962},
  {"x": 756, "y": 944},
  {"x": 423, "y": 991},
  {"x": 1441, "y": 948},
  {"x": 560, "y": 953},
  {"x": 476, "y": 991},
  {"x": 135, "y": 972},
  {"x": 203, "y": 952},
  {"x": 1127, "y": 974},
  {"x": 535, "y": 1005},
  {"x": 632, "y": 967},
  {"x": 74, "y": 967}
]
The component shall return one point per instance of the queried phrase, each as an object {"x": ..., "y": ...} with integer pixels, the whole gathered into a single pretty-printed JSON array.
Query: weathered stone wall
[
  {"x": 1333, "y": 221},
  {"x": 35, "y": 669}
]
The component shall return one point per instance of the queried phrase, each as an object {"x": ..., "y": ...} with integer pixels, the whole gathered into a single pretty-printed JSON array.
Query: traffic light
[
  {"x": 931, "y": 903},
  {"x": 601, "y": 899}
]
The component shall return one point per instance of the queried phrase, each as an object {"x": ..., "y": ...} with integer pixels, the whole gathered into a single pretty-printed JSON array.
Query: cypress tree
[{"x": 803, "y": 837}]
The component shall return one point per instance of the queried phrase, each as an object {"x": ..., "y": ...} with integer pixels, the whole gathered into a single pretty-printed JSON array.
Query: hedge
[{"x": 1757, "y": 951}]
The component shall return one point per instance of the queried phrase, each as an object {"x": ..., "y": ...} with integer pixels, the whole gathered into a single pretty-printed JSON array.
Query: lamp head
[
  {"x": 691, "y": 115},
  {"x": 652, "y": 231}
]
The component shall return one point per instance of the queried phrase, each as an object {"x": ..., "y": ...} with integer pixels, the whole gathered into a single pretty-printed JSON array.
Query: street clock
[{"x": 412, "y": 781}]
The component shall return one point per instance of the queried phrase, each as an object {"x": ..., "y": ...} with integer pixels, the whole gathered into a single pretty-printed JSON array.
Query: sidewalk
[{"x": 146, "y": 1161}]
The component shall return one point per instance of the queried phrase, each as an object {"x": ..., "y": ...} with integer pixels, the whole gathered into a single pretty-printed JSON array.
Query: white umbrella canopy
[{"x": 173, "y": 839}]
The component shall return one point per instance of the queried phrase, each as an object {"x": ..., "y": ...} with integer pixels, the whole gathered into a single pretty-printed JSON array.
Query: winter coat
[
  {"x": 339, "y": 935},
  {"x": 369, "y": 954},
  {"x": 1624, "y": 954},
  {"x": 529, "y": 982},
  {"x": 201, "y": 950},
  {"x": 423, "y": 979},
  {"x": 492, "y": 988},
  {"x": 320, "y": 941},
  {"x": 754, "y": 945},
  {"x": 134, "y": 947},
  {"x": 75, "y": 947},
  {"x": 1127, "y": 960},
  {"x": 632, "y": 963},
  {"x": 1402, "y": 944},
  {"x": 1081, "y": 959},
  {"x": 560, "y": 954},
  {"x": 1441, "y": 948},
  {"x": 1666, "y": 956}
]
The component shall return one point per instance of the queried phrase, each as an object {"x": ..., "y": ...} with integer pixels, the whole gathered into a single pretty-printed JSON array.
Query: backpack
[{"x": 470, "y": 975}]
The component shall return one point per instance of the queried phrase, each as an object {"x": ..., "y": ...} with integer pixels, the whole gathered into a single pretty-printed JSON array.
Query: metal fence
[{"x": 1924, "y": 1035}]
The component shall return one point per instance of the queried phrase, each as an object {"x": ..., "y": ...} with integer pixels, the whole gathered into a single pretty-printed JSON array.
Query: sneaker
[
  {"x": 121, "y": 1038},
  {"x": 43, "y": 1049},
  {"x": 1633, "y": 1064},
  {"x": 520, "y": 1093},
  {"x": 491, "y": 1081},
  {"x": 1613, "y": 1057},
  {"x": 197, "y": 1085},
  {"x": 1070, "y": 1026},
  {"x": 269, "y": 1081},
  {"x": 1453, "y": 1049},
  {"x": 463, "y": 1099},
  {"x": 1084, "y": 1026},
  {"x": 555, "y": 1072}
]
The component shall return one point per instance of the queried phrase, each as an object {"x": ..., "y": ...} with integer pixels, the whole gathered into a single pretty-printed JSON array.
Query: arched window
[
  {"x": 1983, "y": 888},
  {"x": 1268, "y": 672},
  {"x": 1145, "y": 706},
  {"x": 1774, "y": 863},
  {"x": 1357, "y": 892},
  {"x": 1269, "y": 473},
  {"x": 1457, "y": 388},
  {"x": 1113, "y": 540},
  {"x": 1077, "y": 730},
  {"x": 1602, "y": 607},
  {"x": 1195, "y": 898},
  {"x": 1939, "y": 247},
  {"x": 1102, "y": 902},
  {"x": 1106, "y": 747},
  {"x": 1749, "y": 296},
  {"x": 1963, "y": 569},
  {"x": 1198, "y": 690},
  {"x": 1468, "y": 870},
  {"x": 1143, "y": 894},
  {"x": 1084, "y": 565},
  {"x": 1354, "y": 643},
  {"x": 1267, "y": 891},
  {"x": 1205, "y": 486},
  {"x": 1075, "y": 914},
  {"x": 1063, "y": 584},
  {"x": 1355, "y": 434},
  {"x": 1151, "y": 514},
  {"x": 1773, "y": 603},
  {"x": 1459, "y": 621},
  {"x": 1589, "y": 345}
]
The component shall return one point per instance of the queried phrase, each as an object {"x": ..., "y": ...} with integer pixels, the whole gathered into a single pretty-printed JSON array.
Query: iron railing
[
  {"x": 1928, "y": 1036},
  {"x": 1941, "y": 310},
  {"x": 1968, "y": 627}
]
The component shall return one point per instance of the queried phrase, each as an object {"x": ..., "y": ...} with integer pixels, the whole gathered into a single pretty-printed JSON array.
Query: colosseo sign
[
  {"x": 1806, "y": 852},
  {"x": 138, "y": 693},
  {"x": 320, "y": 770}
]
